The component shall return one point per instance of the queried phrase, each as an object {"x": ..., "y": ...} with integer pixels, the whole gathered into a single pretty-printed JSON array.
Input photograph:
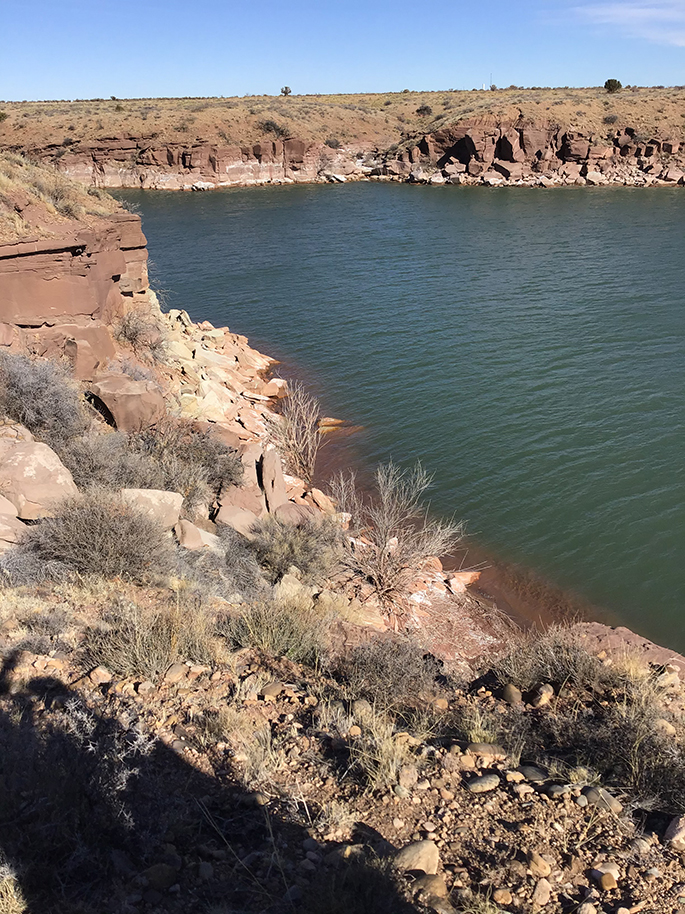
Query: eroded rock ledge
[{"x": 483, "y": 150}]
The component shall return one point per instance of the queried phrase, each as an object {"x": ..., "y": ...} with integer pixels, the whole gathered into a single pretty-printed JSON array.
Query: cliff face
[
  {"x": 60, "y": 295},
  {"x": 134, "y": 162},
  {"x": 488, "y": 151},
  {"x": 483, "y": 150}
]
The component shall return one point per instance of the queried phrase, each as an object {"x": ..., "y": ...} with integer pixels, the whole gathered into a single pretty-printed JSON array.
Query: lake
[{"x": 528, "y": 346}]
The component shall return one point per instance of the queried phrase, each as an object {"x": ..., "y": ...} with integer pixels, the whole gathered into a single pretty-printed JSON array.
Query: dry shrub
[
  {"x": 173, "y": 456},
  {"x": 98, "y": 534},
  {"x": 230, "y": 572},
  {"x": 132, "y": 641},
  {"x": 311, "y": 546},
  {"x": 41, "y": 396},
  {"x": 291, "y": 628},
  {"x": 360, "y": 886},
  {"x": 142, "y": 332},
  {"x": 296, "y": 432},
  {"x": 108, "y": 461},
  {"x": 556, "y": 655},
  {"x": 392, "y": 535},
  {"x": 391, "y": 672},
  {"x": 603, "y": 718},
  {"x": 380, "y": 752}
]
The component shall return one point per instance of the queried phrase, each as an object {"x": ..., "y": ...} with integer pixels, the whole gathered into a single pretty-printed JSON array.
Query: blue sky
[{"x": 142, "y": 48}]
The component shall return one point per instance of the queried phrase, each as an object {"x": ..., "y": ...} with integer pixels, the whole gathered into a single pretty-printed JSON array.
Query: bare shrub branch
[
  {"x": 296, "y": 432},
  {"x": 392, "y": 534}
]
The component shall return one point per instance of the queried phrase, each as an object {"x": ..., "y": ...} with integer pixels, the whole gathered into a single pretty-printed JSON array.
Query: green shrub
[
  {"x": 613, "y": 85},
  {"x": 270, "y": 126},
  {"x": 424, "y": 110},
  {"x": 41, "y": 396},
  {"x": 3, "y": 116},
  {"x": 97, "y": 534},
  {"x": 289, "y": 628},
  {"x": 310, "y": 546},
  {"x": 332, "y": 142}
]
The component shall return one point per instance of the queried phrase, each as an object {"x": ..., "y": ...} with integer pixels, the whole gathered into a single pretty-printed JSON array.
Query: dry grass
[
  {"x": 380, "y": 752},
  {"x": 131, "y": 640},
  {"x": 291, "y": 628},
  {"x": 59, "y": 199},
  {"x": 356, "y": 120}
]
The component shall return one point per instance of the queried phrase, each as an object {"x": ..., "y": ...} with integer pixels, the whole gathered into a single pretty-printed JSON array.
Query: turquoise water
[{"x": 527, "y": 346}]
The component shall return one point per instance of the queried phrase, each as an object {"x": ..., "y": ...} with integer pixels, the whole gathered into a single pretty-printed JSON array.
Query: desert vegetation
[
  {"x": 22, "y": 182},
  {"x": 366, "y": 120}
]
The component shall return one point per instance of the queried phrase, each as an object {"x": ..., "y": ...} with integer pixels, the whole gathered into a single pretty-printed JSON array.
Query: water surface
[{"x": 527, "y": 345}]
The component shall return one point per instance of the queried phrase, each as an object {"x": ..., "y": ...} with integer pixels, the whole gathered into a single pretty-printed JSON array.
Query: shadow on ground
[{"x": 95, "y": 816}]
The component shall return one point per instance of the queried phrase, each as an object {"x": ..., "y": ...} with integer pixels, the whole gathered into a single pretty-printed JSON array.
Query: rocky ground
[{"x": 221, "y": 691}]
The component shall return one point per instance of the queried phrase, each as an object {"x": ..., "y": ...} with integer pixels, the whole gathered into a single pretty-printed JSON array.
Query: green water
[{"x": 528, "y": 346}]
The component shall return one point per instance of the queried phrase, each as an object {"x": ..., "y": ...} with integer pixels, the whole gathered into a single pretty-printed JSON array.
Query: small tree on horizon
[
  {"x": 286, "y": 90},
  {"x": 613, "y": 85}
]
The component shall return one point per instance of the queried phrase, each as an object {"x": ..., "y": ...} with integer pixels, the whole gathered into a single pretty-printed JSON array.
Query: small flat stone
[
  {"x": 175, "y": 673},
  {"x": 602, "y": 799},
  {"x": 483, "y": 784},
  {"x": 542, "y": 894},
  {"x": 533, "y": 774},
  {"x": 511, "y": 694},
  {"x": 421, "y": 856},
  {"x": 538, "y": 865}
]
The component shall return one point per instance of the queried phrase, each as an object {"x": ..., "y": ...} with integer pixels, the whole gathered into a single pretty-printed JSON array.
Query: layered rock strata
[{"x": 484, "y": 150}]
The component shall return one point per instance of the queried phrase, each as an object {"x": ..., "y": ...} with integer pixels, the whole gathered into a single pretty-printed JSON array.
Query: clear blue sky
[{"x": 138, "y": 48}]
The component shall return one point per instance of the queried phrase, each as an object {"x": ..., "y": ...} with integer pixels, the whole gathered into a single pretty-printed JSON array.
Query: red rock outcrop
[
  {"x": 488, "y": 151},
  {"x": 60, "y": 296},
  {"x": 142, "y": 162}
]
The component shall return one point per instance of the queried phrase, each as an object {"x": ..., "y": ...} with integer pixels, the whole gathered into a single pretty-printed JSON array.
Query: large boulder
[
  {"x": 11, "y": 528},
  {"x": 164, "y": 507},
  {"x": 273, "y": 482},
  {"x": 132, "y": 405},
  {"x": 33, "y": 477},
  {"x": 239, "y": 519},
  {"x": 195, "y": 538}
]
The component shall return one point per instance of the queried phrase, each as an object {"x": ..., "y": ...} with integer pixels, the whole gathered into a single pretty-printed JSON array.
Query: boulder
[
  {"x": 132, "y": 405},
  {"x": 675, "y": 834},
  {"x": 164, "y": 507},
  {"x": 250, "y": 498},
  {"x": 296, "y": 514},
  {"x": 272, "y": 481},
  {"x": 194, "y": 538},
  {"x": 239, "y": 519},
  {"x": 34, "y": 478},
  {"x": 421, "y": 857},
  {"x": 11, "y": 531}
]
